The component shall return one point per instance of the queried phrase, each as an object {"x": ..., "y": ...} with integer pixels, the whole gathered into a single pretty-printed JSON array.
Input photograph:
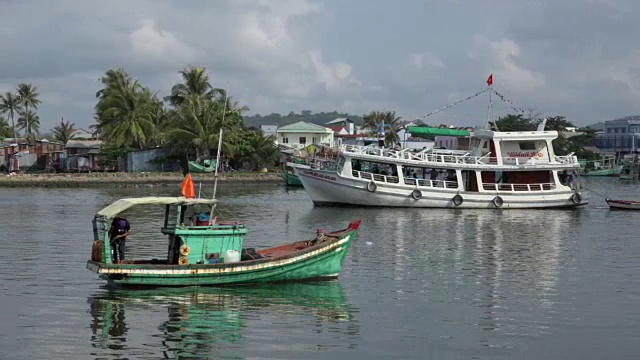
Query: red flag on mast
[
  {"x": 188, "y": 189},
  {"x": 490, "y": 80}
]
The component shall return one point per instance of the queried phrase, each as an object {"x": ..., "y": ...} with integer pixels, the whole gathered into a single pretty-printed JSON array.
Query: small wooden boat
[
  {"x": 205, "y": 252},
  {"x": 623, "y": 204},
  {"x": 207, "y": 166},
  {"x": 289, "y": 175}
]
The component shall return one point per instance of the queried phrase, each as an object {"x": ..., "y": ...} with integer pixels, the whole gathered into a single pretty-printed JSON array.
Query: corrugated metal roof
[
  {"x": 338, "y": 120},
  {"x": 304, "y": 127}
]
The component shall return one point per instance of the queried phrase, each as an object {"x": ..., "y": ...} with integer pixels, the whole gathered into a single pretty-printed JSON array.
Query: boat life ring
[
  {"x": 457, "y": 200},
  {"x": 185, "y": 250},
  {"x": 576, "y": 198},
  {"x": 498, "y": 201},
  {"x": 372, "y": 186},
  {"x": 416, "y": 194},
  {"x": 183, "y": 260}
]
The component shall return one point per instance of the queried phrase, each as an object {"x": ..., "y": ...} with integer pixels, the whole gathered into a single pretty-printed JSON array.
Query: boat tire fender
[
  {"x": 498, "y": 201},
  {"x": 416, "y": 194},
  {"x": 372, "y": 186},
  {"x": 185, "y": 250},
  {"x": 457, "y": 200},
  {"x": 576, "y": 198}
]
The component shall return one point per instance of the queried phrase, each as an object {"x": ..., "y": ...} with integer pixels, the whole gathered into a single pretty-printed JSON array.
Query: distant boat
[
  {"x": 290, "y": 177},
  {"x": 623, "y": 204},
  {"x": 207, "y": 166},
  {"x": 606, "y": 166}
]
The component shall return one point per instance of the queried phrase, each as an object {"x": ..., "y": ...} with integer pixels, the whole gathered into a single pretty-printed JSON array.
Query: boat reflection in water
[{"x": 215, "y": 321}]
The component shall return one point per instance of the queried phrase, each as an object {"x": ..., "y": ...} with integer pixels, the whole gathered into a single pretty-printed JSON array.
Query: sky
[{"x": 574, "y": 58}]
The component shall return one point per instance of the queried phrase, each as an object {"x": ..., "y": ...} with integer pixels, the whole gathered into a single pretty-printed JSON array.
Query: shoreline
[{"x": 129, "y": 179}]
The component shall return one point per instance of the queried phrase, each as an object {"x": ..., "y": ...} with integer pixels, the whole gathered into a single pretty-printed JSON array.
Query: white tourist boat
[{"x": 504, "y": 170}]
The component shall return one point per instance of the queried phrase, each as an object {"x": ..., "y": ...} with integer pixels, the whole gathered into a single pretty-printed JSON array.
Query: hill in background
[{"x": 306, "y": 115}]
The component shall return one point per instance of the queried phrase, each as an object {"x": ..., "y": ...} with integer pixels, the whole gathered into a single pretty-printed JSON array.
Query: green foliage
[
  {"x": 10, "y": 105},
  {"x": 64, "y": 131},
  {"x": 514, "y": 123},
  {"x": 28, "y": 121},
  {"x": 376, "y": 121},
  {"x": 5, "y": 130}
]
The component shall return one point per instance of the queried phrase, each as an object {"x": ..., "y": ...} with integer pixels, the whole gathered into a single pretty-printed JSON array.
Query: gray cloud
[{"x": 573, "y": 58}]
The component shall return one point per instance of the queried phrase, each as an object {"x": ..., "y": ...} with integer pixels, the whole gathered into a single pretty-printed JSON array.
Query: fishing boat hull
[
  {"x": 602, "y": 172},
  {"x": 328, "y": 188},
  {"x": 194, "y": 167},
  {"x": 283, "y": 263},
  {"x": 623, "y": 204},
  {"x": 291, "y": 179}
]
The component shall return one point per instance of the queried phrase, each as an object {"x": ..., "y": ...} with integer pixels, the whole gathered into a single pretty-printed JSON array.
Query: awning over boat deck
[
  {"x": 427, "y": 130},
  {"x": 121, "y": 205}
]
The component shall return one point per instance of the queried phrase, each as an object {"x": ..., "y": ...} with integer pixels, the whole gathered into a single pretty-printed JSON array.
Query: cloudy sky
[{"x": 577, "y": 58}]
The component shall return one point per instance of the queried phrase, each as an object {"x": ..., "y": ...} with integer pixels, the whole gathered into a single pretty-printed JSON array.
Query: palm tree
[
  {"x": 374, "y": 121},
  {"x": 5, "y": 129},
  {"x": 195, "y": 85},
  {"x": 29, "y": 122},
  {"x": 199, "y": 127},
  {"x": 28, "y": 95},
  {"x": 393, "y": 124},
  {"x": 64, "y": 131},
  {"x": 125, "y": 115},
  {"x": 10, "y": 104}
]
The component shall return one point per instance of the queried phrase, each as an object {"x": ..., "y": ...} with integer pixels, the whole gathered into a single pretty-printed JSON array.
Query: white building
[{"x": 302, "y": 134}]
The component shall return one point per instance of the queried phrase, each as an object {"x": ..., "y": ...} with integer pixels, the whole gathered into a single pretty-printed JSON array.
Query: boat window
[{"x": 527, "y": 145}]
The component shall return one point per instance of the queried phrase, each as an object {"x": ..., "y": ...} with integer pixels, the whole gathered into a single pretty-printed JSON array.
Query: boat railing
[
  {"x": 375, "y": 177},
  {"x": 518, "y": 187},
  {"x": 431, "y": 183},
  {"x": 441, "y": 156}
]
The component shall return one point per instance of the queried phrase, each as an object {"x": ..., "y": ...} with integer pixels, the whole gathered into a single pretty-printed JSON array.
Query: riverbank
[{"x": 129, "y": 179}]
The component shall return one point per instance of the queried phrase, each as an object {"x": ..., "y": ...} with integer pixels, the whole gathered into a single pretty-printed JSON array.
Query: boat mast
[{"x": 215, "y": 174}]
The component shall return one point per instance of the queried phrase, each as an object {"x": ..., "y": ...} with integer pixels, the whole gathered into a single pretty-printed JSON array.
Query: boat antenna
[{"x": 215, "y": 174}]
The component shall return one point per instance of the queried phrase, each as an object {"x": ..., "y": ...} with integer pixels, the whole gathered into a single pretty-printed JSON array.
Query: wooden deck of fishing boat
[
  {"x": 212, "y": 253},
  {"x": 623, "y": 204}
]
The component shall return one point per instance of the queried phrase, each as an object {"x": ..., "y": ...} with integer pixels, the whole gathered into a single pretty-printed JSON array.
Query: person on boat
[
  {"x": 564, "y": 177},
  {"x": 118, "y": 233}
]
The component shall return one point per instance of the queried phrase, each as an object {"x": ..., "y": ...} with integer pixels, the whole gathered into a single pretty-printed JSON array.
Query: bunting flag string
[
  {"x": 455, "y": 103},
  {"x": 513, "y": 106}
]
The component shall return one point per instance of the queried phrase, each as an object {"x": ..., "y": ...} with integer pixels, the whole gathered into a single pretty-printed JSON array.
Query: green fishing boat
[
  {"x": 290, "y": 178},
  {"x": 606, "y": 166},
  {"x": 207, "y": 166},
  {"x": 203, "y": 252}
]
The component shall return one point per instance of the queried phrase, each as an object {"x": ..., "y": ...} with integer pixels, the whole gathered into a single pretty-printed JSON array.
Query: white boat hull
[
  {"x": 623, "y": 205},
  {"x": 328, "y": 188}
]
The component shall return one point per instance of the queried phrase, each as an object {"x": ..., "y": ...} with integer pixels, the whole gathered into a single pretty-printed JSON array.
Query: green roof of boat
[{"x": 121, "y": 205}]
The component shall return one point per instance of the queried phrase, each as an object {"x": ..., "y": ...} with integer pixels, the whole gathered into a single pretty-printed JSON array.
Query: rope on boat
[{"x": 490, "y": 90}]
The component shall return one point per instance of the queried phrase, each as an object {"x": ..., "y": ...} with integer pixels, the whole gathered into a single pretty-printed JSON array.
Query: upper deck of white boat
[{"x": 507, "y": 144}]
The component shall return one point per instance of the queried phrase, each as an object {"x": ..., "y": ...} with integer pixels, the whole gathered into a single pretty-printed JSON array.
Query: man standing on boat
[{"x": 117, "y": 236}]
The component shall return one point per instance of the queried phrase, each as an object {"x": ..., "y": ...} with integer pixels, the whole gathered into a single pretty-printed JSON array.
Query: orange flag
[
  {"x": 188, "y": 190},
  {"x": 490, "y": 80}
]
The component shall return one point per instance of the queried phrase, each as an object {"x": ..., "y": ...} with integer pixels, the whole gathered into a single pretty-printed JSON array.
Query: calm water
[{"x": 417, "y": 284}]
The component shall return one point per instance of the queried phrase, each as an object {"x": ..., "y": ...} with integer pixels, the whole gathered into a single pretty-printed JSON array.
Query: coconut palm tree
[
  {"x": 125, "y": 115},
  {"x": 393, "y": 124},
  {"x": 30, "y": 123},
  {"x": 374, "y": 122},
  {"x": 10, "y": 104},
  {"x": 28, "y": 95},
  {"x": 195, "y": 85},
  {"x": 64, "y": 131},
  {"x": 5, "y": 129},
  {"x": 198, "y": 126}
]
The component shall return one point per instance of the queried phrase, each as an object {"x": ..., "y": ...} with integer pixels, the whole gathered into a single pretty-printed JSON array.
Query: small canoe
[{"x": 623, "y": 204}]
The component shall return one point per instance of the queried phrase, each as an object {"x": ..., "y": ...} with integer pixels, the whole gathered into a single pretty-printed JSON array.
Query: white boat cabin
[{"x": 500, "y": 161}]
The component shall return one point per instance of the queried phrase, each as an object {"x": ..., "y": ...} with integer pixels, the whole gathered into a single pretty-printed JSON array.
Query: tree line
[{"x": 18, "y": 112}]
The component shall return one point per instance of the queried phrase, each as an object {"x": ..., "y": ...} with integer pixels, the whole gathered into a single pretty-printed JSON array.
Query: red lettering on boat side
[{"x": 528, "y": 154}]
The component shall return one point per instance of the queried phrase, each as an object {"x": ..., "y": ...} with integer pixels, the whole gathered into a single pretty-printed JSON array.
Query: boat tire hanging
[
  {"x": 183, "y": 260},
  {"x": 576, "y": 198},
  {"x": 457, "y": 200},
  {"x": 372, "y": 186},
  {"x": 185, "y": 250},
  {"x": 416, "y": 194},
  {"x": 498, "y": 201}
]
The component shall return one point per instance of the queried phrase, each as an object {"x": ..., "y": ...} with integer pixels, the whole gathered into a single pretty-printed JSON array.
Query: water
[{"x": 417, "y": 283}]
